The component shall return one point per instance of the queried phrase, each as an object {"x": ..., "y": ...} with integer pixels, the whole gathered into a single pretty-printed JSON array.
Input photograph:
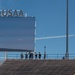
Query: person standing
[
  {"x": 39, "y": 55},
  {"x": 44, "y": 55},
  {"x": 29, "y": 55},
  {"x": 26, "y": 56},
  {"x": 35, "y": 55},
  {"x": 21, "y": 55}
]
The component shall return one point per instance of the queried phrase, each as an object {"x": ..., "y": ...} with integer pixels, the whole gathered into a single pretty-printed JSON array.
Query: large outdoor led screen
[{"x": 17, "y": 33}]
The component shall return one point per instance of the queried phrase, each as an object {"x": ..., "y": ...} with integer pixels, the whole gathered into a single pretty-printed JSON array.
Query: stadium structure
[
  {"x": 38, "y": 67},
  {"x": 17, "y": 34}
]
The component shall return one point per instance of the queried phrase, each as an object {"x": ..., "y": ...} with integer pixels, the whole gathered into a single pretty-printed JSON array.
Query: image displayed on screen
[{"x": 17, "y": 33}]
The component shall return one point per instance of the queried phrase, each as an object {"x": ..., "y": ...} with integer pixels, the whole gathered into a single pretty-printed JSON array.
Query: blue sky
[{"x": 50, "y": 21}]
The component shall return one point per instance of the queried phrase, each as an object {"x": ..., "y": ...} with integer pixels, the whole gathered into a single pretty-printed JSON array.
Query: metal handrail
[{"x": 48, "y": 56}]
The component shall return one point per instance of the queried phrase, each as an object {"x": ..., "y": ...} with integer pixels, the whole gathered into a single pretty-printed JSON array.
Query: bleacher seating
[{"x": 38, "y": 67}]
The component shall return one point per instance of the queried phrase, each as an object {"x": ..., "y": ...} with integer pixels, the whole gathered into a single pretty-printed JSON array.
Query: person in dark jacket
[
  {"x": 26, "y": 56},
  {"x": 35, "y": 55},
  {"x": 21, "y": 55},
  {"x": 39, "y": 55},
  {"x": 30, "y": 55}
]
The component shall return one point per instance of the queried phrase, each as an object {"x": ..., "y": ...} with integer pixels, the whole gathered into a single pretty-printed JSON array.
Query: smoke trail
[{"x": 53, "y": 37}]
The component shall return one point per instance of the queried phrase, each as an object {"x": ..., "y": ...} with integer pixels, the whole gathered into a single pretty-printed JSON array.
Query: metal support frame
[{"x": 66, "y": 54}]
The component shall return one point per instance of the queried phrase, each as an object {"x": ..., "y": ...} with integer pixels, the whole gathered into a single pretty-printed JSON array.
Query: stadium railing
[{"x": 48, "y": 56}]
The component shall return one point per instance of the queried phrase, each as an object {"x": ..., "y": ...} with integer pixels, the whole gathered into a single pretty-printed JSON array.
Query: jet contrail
[{"x": 53, "y": 37}]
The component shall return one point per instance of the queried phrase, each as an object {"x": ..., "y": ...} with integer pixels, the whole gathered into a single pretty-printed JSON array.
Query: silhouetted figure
[
  {"x": 63, "y": 57},
  {"x": 39, "y": 55},
  {"x": 26, "y": 56},
  {"x": 35, "y": 55},
  {"x": 29, "y": 55},
  {"x": 44, "y": 55},
  {"x": 21, "y": 55}
]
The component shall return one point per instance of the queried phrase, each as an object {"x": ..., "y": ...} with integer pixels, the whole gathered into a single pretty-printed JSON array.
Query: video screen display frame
[{"x": 17, "y": 33}]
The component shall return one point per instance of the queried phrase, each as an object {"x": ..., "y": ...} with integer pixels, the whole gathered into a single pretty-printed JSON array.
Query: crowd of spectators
[{"x": 32, "y": 55}]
